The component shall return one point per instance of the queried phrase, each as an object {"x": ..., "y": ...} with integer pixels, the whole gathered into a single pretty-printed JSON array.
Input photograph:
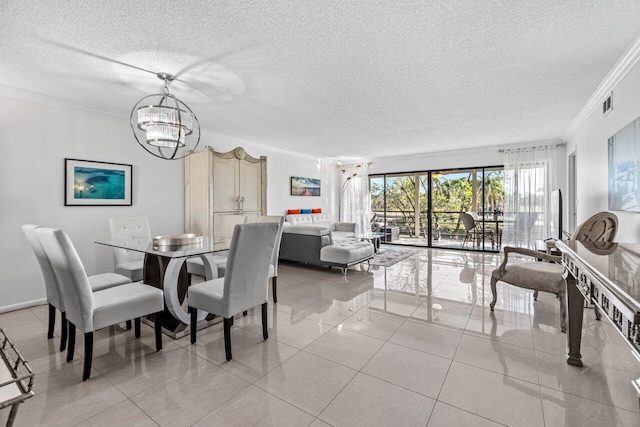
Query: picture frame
[
  {"x": 624, "y": 168},
  {"x": 305, "y": 186},
  {"x": 95, "y": 183}
]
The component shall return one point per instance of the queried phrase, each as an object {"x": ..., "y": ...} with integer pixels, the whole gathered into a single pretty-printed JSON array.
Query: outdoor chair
[{"x": 475, "y": 231}]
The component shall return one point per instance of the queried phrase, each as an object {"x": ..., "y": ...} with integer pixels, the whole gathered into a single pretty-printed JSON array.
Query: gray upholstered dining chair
[
  {"x": 196, "y": 267},
  {"x": 245, "y": 284},
  {"x": 88, "y": 310},
  {"x": 547, "y": 276},
  {"x": 129, "y": 263},
  {"x": 97, "y": 282},
  {"x": 273, "y": 267}
]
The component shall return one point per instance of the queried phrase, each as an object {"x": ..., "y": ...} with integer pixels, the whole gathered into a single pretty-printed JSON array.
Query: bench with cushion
[{"x": 344, "y": 254}]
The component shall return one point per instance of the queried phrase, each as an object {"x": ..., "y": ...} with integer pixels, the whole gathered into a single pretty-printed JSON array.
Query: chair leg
[
  {"x": 158, "y": 330},
  {"x": 228, "y": 323},
  {"x": 562, "y": 296},
  {"x": 72, "y": 342},
  {"x": 494, "y": 291},
  {"x": 128, "y": 325},
  {"x": 596, "y": 310},
  {"x": 52, "y": 321},
  {"x": 64, "y": 327},
  {"x": 194, "y": 321},
  {"x": 136, "y": 323},
  {"x": 88, "y": 355},
  {"x": 274, "y": 285},
  {"x": 265, "y": 333}
]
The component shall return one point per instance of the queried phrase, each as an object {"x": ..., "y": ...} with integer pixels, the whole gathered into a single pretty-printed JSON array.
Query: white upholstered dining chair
[
  {"x": 273, "y": 267},
  {"x": 129, "y": 263},
  {"x": 88, "y": 310},
  {"x": 97, "y": 282},
  {"x": 195, "y": 265},
  {"x": 245, "y": 283}
]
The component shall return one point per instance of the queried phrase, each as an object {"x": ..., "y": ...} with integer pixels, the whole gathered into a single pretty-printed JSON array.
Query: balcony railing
[{"x": 446, "y": 224}]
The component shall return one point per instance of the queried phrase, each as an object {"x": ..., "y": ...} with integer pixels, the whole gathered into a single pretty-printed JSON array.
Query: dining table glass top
[{"x": 147, "y": 246}]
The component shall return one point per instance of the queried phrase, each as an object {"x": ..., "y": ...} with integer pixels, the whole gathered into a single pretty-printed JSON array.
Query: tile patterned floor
[{"x": 412, "y": 344}]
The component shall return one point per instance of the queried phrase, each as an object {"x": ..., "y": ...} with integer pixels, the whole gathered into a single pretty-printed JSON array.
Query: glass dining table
[{"x": 166, "y": 269}]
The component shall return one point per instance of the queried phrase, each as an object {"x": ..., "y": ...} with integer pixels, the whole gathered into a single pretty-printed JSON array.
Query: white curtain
[
  {"x": 353, "y": 196},
  {"x": 530, "y": 175},
  {"x": 329, "y": 182}
]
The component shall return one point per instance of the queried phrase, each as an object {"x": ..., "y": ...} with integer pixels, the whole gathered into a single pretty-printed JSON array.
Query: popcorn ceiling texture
[{"x": 328, "y": 78}]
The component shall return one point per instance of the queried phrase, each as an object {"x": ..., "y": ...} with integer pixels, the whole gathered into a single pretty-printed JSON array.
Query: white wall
[
  {"x": 590, "y": 144},
  {"x": 441, "y": 160},
  {"x": 36, "y": 138}
]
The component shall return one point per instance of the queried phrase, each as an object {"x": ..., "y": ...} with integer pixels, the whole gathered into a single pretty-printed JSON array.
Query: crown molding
[
  {"x": 620, "y": 69},
  {"x": 55, "y": 102},
  {"x": 215, "y": 136}
]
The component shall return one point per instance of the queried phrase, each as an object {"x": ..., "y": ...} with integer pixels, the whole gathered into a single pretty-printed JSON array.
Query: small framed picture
[
  {"x": 91, "y": 183},
  {"x": 305, "y": 186}
]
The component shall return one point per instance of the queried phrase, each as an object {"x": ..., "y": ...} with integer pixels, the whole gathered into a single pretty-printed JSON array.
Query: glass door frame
[{"x": 429, "y": 173}]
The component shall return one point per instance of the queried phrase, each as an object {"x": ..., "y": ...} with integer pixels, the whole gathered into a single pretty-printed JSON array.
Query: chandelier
[{"x": 165, "y": 126}]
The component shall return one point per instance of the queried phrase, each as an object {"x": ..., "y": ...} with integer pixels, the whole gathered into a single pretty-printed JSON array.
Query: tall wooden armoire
[{"x": 221, "y": 184}]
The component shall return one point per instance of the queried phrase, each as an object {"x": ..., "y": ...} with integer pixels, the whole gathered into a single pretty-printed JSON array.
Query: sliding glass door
[{"x": 457, "y": 208}]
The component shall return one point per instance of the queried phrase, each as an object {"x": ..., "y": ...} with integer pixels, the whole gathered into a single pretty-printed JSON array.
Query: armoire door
[
  {"x": 251, "y": 185},
  {"x": 225, "y": 184}
]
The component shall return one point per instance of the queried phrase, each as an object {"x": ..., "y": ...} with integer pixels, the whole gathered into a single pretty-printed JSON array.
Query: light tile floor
[{"x": 412, "y": 344}]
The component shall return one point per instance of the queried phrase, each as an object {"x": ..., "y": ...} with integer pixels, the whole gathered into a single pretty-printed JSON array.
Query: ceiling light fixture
[{"x": 165, "y": 126}]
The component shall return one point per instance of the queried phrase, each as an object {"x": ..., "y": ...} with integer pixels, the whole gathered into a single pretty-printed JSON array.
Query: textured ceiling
[{"x": 329, "y": 78}]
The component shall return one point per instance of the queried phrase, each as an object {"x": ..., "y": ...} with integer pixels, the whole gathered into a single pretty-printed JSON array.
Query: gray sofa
[{"x": 315, "y": 239}]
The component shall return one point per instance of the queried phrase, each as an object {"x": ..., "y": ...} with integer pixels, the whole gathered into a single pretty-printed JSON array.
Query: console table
[{"x": 607, "y": 275}]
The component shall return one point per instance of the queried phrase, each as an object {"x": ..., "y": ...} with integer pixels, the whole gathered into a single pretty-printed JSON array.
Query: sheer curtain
[
  {"x": 353, "y": 196},
  {"x": 530, "y": 175}
]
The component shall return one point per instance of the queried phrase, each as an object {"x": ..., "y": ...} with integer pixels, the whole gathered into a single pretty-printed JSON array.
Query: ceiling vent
[{"x": 607, "y": 105}]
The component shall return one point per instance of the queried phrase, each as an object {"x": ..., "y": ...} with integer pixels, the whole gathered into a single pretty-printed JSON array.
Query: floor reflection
[{"x": 415, "y": 343}]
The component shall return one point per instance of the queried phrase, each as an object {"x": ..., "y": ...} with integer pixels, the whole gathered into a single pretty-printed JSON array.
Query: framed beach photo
[
  {"x": 305, "y": 186},
  {"x": 91, "y": 183}
]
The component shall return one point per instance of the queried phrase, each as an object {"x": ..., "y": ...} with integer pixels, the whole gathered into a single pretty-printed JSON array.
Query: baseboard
[{"x": 21, "y": 305}]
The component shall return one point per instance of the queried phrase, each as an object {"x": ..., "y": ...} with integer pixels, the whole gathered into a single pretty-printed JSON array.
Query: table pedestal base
[{"x": 170, "y": 275}]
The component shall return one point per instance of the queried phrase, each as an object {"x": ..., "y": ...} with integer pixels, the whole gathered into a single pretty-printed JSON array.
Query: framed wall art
[
  {"x": 92, "y": 183},
  {"x": 624, "y": 168},
  {"x": 305, "y": 186}
]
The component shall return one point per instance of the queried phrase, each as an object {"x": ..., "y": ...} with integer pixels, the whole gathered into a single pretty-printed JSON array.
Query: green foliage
[{"x": 451, "y": 194}]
